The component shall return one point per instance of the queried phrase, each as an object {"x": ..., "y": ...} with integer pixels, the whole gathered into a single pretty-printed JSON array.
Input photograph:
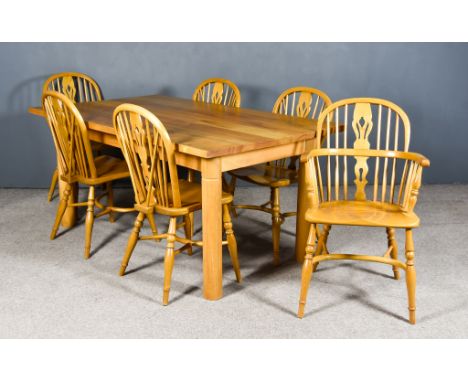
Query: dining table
[{"x": 213, "y": 139}]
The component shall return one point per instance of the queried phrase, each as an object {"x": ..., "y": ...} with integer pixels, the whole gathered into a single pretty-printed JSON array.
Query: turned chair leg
[
  {"x": 394, "y": 253},
  {"x": 61, "y": 211},
  {"x": 410, "y": 276},
  {"x": 110, "y": 201},
  {"x": 276, "y": 223},
  {"x": 232, "y": 243},
  {"x": 188, "y": 228},
  {"x": 321, "y": 244},
  {"x": 132, "y": 240},
  {"x": 306, "y": 270},
  {"x": 89, "y": 222},
  {"x": 53, "y": 184},
  {"x": 169, "y": 259}
]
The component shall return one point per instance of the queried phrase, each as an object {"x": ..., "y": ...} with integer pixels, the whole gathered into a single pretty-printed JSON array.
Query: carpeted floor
[{"x": 47, "y": 289}]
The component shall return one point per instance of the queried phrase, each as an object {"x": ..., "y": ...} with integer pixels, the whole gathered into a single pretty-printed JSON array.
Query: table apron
[
  {"x": 249, "y": 158},
  {"x": 228, "y": 162}
]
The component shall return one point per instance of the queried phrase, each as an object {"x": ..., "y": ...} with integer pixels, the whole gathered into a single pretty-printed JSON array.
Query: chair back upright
[
  {"x": 150, "y": 156},
  {"x": 70, "y": 137},
  {"x": 376, "y": 124},
  {"x": 303, "y": 102},
  {"x": 373, "y": 132},
  {"x": 78, "y": 87},
  {"x": 218, "y": 91}
]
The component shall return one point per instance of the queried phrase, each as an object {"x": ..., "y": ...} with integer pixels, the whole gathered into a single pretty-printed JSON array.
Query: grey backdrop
[{"x": 430, "y": 81}]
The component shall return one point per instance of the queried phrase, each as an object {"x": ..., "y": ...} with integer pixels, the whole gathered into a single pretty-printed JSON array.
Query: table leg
[
  {"x": 212, "y": 229},
  {"x": 69, "y": 219},
  {"x": 301, "y": 225}
]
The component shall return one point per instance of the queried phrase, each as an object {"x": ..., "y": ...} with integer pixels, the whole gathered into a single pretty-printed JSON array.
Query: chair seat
[
  {"x": 266, "y": 175},
  {"x": 191, "y": 194},
  {"x": 190, "y": 197},
  {"x": 365, "y": 213},
  {"x": 108, "y": 168}
]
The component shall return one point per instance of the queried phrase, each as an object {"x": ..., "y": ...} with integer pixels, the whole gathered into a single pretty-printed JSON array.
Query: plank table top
[{"x": 202, "y": 129}]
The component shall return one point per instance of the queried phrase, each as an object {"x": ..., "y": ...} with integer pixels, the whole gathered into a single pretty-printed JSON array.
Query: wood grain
[
  {"x": 150, "y": 156},
  {"x": 201, "y": 133},
  {"x": 205, "y": 130}
]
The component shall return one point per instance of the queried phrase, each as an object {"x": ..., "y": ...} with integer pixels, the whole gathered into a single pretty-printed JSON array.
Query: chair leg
[
  {"x": 232, "y": 190},
  {"x": 169, "y": 259},
  {"x": 190, "y": 175},
  {"x": 152, "y": 223},
  {"x": 410, "y": 276},
  {"x": 61, "y": 211},
  {"x": 53, "y": 184},
  {"x": 306, "y": 270},
  {"x": 191, "y": 179},
  {"x": 110, "y": 201},
  {"x": 394, "y": 253},
  {"x": 132, "y": 240},
  {"x": 89, "y": 222},
  {"x": 325, "y": 242},
  {"x": 321, "y": 242},
  {"x": 232, "y": 243},
  {"x": 276, "y": 223},
  {"x": 188, "y": 228}
]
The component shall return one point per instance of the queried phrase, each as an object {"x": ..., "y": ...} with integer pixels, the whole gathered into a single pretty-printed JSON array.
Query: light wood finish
[
  {"x": 235, "y": 137},
  {"x": 53, "y": 185},
  {"x": 77, "y": 163},
  {"x": 410, "y": 276},
  {"x": 78, "y": 87},
  {"x": 219, "y": 91},
  {"x": 302, "y": 102},
  {"x": 381, "y": 125},
  {"x": 206, "y": 130},
  {"x": 389, "y": 202},
  {"x": 150, "y": 155}
]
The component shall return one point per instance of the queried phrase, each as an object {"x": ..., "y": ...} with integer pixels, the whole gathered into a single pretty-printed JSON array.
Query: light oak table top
[{"x": 202, "y": 129}]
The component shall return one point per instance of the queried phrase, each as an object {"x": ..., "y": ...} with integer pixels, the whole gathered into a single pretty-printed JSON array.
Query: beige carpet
[{"x": 47, "y": 289}]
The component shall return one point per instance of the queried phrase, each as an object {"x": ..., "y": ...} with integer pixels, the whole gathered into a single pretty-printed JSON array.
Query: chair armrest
[{"x": 415, "y": 157}]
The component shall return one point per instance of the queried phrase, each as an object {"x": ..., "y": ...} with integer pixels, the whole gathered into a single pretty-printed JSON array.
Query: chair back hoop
[
  {"x": 70, "y": 135},
  {"x": 218, "y": 91},
  {"x": 150, "y": 156},
  {"x": 78, "y": 87},
  {"x": 376, "y": 124},
  {"x": 364, "y": 124},
  {"x": 303, "y": 102},
  {"x": 396, "y": 180}
]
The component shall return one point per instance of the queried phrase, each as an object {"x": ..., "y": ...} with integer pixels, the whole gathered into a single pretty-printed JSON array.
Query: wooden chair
[
  {"x": 394, "y": 132},
  {"x": 78, "y": 165},
  {"x": 298, "y": 102},
  {"x": 150, "y": 156},
  {"x": 218, "y": 91},
  {"x": 78, "y": 87},
  {"x": 388, "y": 202}
]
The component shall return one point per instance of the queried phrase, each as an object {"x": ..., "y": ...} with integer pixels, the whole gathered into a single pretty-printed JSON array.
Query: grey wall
[{"x": 430, "y": 81}]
